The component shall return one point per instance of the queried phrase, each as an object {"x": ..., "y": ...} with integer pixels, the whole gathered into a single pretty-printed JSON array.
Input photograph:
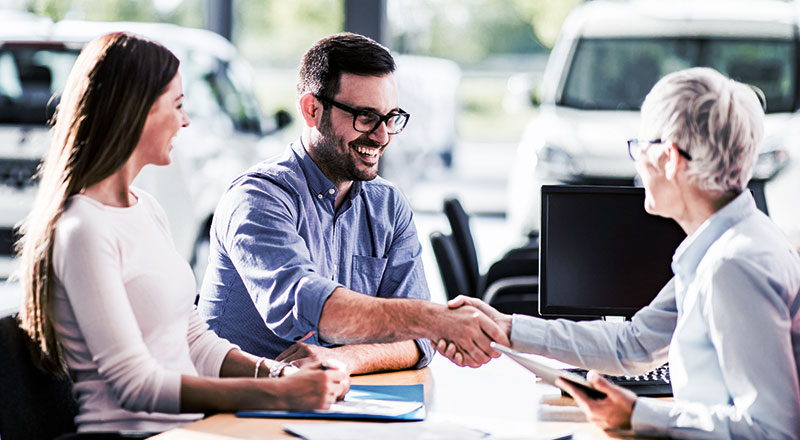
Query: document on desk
[
  {"x": 364, "y": 402},
  {"x": 383, "y": 431}
]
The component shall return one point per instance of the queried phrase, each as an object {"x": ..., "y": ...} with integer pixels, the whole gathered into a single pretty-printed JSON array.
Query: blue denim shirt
[{"x": 279, "y": 249}]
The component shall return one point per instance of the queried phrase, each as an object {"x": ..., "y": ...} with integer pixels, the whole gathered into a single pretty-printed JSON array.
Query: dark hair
[
  {"x": 108, "y": 95},
  {"x": 322, "y": 66}
]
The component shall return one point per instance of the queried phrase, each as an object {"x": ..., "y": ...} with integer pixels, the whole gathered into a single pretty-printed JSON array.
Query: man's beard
[{"x": 335, "y": 159}]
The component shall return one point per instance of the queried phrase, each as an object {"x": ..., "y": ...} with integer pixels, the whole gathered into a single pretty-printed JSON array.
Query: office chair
[
  {"x": 518, "y": 262},
  {"x": 34, "y": 404},
  {"x": 465, "y": 245},
  {"x": 451, "y": 269}
]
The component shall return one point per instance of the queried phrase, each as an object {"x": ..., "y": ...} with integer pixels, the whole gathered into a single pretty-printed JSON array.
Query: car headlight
[
  {"x": 768, "y": 163},
  {"x": 555, "y": 163}
]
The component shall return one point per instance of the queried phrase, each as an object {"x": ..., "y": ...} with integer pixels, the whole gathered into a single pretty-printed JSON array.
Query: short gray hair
[{"x": 718, "y": 121}]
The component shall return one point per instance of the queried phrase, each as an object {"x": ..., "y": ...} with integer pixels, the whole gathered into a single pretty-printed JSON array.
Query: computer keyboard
[{"x": 653, "y": 384}]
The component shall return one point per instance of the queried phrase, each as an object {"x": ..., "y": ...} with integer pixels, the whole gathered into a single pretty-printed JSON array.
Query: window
[{"x": 617, "y": 73}]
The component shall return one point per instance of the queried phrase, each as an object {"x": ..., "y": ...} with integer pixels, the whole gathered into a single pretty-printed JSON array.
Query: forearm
[
  {"x": 349, "y": 317},
  {"x": 201, "y": 394},
  {"x": 372, "y": 358},
  {"x": 240, "y": 364}
]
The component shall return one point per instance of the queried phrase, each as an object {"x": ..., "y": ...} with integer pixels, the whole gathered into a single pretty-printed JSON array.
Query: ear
[
  {"x": 674, "y": 161},
  {"x": 310, "y": 109}
]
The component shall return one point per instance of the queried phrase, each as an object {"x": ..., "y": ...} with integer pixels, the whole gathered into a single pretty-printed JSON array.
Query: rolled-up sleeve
[
  {"x": 273, "y": 260},
  {"x": 404, "y": 276}
]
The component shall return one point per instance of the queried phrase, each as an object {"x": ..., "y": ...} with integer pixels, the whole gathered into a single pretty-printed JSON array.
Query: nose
[
  {"x": 380, "y": 134},
  {"x": 185, "y": 121}
]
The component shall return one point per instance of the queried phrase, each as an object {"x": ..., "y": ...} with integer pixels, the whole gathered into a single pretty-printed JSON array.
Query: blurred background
[{"x": 469, "y": 72}]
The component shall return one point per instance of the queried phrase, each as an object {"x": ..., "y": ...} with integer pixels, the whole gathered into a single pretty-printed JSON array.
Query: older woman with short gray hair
[{"x": 728, "y": 321}]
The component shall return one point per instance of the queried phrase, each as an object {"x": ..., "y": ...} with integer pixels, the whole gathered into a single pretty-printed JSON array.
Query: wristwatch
[{"x": 277, "y": 369}]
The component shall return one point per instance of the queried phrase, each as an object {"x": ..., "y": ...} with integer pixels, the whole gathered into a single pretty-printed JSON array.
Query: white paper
[
  {"x": 383, "y": 431},
  {"x": 388, "y": 408}
]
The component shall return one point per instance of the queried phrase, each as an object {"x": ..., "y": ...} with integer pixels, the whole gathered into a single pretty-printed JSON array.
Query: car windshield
[
  {"x": 30, "y": 74},
  {"x": 616, "y": 74}
]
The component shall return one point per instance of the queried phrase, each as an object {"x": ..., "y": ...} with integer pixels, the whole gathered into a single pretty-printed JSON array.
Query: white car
[
  {"x": 607, "y": 57},
  {"x": 226, "y": 135}
]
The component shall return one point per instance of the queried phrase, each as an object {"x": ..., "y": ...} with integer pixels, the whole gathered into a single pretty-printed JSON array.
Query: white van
[
  {"x": 226, "y": 135},
  {"x": 608, "y": 56}
]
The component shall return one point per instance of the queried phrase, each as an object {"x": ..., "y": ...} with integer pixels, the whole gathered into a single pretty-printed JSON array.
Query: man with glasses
[{"x": 313, "y": 256}]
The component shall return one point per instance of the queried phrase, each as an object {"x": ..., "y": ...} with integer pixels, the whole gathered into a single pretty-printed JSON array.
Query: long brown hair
[{"x": 109, "y": 92}]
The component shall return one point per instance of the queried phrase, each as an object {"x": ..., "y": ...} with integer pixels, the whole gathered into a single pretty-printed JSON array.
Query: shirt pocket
[{"x": 367, "y": 274}]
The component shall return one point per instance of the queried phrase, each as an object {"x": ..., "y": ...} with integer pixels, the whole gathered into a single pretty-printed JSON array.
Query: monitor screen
[{"x": 601, "y": 254}]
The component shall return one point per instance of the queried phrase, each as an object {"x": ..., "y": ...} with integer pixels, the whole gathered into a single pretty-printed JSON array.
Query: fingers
[
  {"x": 614, "y": 392},
  {"x": 336, "y": 364},
  {"x": 458, "y": 301},
  {"x": 492, "y": 330},
  {"x": 451, "y": 351},
  {"x": 286, "y": 353},
  {"x": 489, "y": 331},
  {"x": 306, "y": 337},
  {"x": 601, "y": 383},
  {"x": 580, "y": 398}
]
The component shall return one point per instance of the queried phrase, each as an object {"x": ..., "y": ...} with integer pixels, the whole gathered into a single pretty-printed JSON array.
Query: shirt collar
[
  {"x": 319, "y": 185},
  {"x": 694, "y": 247}
]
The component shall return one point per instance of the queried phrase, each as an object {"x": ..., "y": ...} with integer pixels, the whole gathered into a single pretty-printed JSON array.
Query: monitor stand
[{"x": 614, "y": 318}]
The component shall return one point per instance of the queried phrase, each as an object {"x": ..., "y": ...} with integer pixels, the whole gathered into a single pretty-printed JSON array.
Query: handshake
[{"x": 466, "y": 329}]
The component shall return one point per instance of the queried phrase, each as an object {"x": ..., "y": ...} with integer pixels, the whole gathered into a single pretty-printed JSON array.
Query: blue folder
[{"x": 406, "y": 393}]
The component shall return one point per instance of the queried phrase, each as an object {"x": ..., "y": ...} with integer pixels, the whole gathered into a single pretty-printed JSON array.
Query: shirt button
[
  {"x": 319, "y": 196},
  {"x": 331, "y": 191}
]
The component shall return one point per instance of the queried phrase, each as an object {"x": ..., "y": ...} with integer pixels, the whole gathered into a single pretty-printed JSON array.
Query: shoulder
[
  {"x": 82, "y": 225},
  {"x": 274, "y": 177},
  {"x": 386, "y": 201},
  {"x": 755, "y": 239},
  {"x": 754, "y": 252},
  {"x": 385, "y": 191},
  {"x": 80, "y": 216}
]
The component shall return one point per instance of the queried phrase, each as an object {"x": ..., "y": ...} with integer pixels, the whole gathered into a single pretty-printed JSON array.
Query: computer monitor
[{"x": 601, "y": 253}]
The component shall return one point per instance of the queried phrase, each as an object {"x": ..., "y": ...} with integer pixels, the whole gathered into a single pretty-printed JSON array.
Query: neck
[
  {"x": 700, "y": 205},
  {"x": 342, "y": 186},
  {"x": 115, "y": 189}
]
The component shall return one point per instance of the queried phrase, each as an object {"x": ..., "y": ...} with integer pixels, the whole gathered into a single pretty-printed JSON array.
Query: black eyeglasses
[
  {"x": 367, "y": 121},
  {"x": 635, "y": 148}
]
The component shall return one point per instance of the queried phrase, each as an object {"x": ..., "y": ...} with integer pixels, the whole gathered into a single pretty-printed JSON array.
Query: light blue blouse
[{"x": 727, "y": 322}]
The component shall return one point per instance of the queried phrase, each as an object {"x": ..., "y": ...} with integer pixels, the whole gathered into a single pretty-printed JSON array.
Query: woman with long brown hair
[{"x": 107, "y": 296}]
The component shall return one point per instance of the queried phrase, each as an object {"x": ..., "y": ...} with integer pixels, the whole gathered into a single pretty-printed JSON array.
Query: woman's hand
[
  {"x": 314, "y": 386},
  {"x": 613, "y": 412}
]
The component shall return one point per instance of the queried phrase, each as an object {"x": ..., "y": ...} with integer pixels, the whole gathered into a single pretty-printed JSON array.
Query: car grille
[
  {"x": 7, "y": 239},
  {"x": 18, "y": 173}
]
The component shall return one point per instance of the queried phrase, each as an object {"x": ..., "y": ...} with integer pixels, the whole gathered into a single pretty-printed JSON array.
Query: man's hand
[
  {"x": 469, "y": 331},
  {"x": 613, "y": 412},
  {"x": 300, "y": 354},
  {"x": 503, "y": 321}
]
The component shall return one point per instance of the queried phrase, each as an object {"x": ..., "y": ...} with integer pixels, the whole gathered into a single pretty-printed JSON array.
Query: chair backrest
[
  {"x": 33, "y": 404},
  {"x": 450, "y": 267},
  {"x": 462, "y": 235}
]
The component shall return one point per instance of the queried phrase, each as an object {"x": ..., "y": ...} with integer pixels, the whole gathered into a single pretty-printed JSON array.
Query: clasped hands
[
  {"x": 467, "y": 329},
  {"x": 613, "y": 412}
]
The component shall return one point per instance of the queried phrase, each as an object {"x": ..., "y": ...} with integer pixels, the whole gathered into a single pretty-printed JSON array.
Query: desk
[{"x": 500, "y": 397}]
